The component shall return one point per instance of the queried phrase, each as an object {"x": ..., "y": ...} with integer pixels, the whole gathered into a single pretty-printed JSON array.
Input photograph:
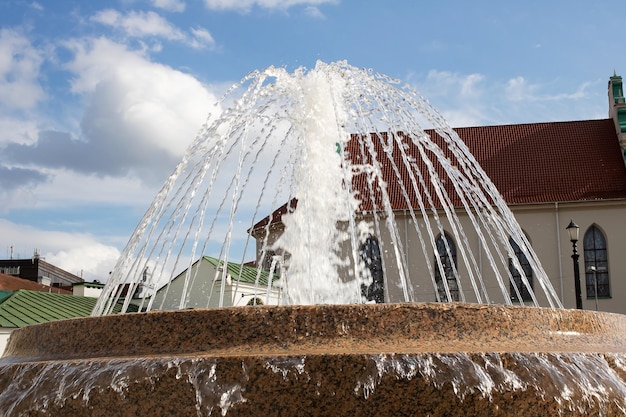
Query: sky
[{"x": 100, "y": 99}]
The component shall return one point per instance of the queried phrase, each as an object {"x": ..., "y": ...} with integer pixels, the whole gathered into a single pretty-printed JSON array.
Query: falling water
[{"x": 306, "y": 172}]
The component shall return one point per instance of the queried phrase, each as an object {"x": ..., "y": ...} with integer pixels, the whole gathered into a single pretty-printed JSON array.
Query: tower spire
[{"x": 617, "y": 109}]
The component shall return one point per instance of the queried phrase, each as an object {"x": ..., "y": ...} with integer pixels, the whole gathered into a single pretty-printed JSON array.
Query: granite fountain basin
[{"x": 417, "y": 359}]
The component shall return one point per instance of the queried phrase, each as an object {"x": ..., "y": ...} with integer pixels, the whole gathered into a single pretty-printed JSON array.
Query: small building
[
  {"x": 38, "y": 270},
  {"x": 211, "y": 282},
  {"x": 87, "y": 289}
]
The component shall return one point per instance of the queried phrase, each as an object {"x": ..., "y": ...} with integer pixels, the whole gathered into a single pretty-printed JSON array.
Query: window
[
  {"x": 370, "y": 253},
  {"x": 255, "y": 302},
  {"x": 516, "y": 276},
  {"x": 596, "y": 263},
  {"x": 267, "y": 259},
  {"x": 446, "y": 252},
  {"x": 10, "y": 270}
]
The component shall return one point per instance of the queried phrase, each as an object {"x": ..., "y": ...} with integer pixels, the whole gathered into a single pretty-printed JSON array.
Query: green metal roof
[
  {"x": 244, "y": 273},
  {"x": 26, "y": 307}
]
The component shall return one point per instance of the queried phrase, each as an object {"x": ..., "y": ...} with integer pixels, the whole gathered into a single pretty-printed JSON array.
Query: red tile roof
[
  {"x": 277, "y": 215},
  {"x": 11, "y": 283},
  {"x": 550, "y": 162},
  {"x": 528, "y": 164}
]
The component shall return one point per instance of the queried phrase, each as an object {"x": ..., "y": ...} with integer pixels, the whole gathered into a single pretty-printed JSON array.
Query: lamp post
[{"x": 573, "y": 230}]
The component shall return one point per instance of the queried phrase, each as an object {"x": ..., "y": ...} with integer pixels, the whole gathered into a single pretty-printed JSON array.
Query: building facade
[
  {"x": 38, "y": 270},
  {"x": 212, "y": 284}
]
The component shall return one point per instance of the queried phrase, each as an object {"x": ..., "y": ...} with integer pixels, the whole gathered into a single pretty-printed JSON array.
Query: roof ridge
[{"x": 529, "y": 124}]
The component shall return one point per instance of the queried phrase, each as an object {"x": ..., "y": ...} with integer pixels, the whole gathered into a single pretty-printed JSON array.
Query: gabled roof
[
  {"x": 528, "y": 163},
  {"x": 25, "y": 307},
  {"x": 11, "y": 283},
  {"x": 550, "y": 162},
  {"x": 244, "y": 273}
]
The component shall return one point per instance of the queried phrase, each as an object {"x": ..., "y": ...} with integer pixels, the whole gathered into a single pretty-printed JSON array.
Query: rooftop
[
  {"x": 533, "y": 163},
  {"x": 244, "y": 273},
  {"x": 550, "y": 162},
  {"x": 11, "y": 283},
  {"x": 26, "y": 307}
]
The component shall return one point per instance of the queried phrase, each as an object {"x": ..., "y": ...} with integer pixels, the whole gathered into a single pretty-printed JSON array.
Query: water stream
[{"x": 307, "y": 171}]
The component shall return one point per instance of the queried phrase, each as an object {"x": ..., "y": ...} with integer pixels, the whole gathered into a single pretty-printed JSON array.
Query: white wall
[
  {"x": 206, "y": 291},
  {"x": 544, "y": 225},
  {"x": 83, "y": 290},
  {"x": 5, "y": 332}
]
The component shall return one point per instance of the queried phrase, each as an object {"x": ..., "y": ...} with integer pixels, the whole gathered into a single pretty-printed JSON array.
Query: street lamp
[{"x": 573, "y": 230}]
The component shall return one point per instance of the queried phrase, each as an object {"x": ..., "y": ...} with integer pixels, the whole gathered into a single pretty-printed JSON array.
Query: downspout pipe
[{"x": 558, "y": 247}]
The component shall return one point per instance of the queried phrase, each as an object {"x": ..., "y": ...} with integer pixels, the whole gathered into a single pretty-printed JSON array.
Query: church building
[{"x": 551, "y": 175}]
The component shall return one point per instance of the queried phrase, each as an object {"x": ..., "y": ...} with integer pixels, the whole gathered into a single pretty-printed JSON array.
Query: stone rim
[{"x": 327, "y": 329}]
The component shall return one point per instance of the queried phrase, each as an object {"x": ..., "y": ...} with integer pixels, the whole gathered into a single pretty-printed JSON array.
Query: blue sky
[{"x": 99, "y": 99}]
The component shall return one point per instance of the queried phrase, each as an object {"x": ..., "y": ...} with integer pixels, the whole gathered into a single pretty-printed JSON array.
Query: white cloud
[
  {"x": 462, "y": 94},
  {"x": 16, "y": 197},
  {"x": 69, "y": 188},
  {"x": 153, "y": 103},
  {"x": 245, "y": 5},
  {"x": 169, "y": 5},
  {"x": 14, "y": 130},
  {"x": 90, "y": 261},
  {"x": 20, "y": 63},
  {"x": 151, "y": 25},
  {"x": 140, "y": 116},
  {"x": 474, "y": 99},
  {"x": 314, "y": 11},
  {"x": 470, "y": 85},
  {"x": 201, "y": 38},
  {"x": 139, "y": 24},
  {"x": 74, "y": 252},
  {"x": 139, "y": 119},
  {"x": 446, "y": 82},
  {"x": 519, "y": 89},
  {"x": 98, "y": 59}
]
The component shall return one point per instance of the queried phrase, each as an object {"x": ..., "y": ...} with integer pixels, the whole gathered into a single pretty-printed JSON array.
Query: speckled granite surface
[{"x": 356, "y": 360}]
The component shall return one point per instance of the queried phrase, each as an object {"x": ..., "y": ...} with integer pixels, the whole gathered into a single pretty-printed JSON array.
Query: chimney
[{"x": 617, "y": 109}]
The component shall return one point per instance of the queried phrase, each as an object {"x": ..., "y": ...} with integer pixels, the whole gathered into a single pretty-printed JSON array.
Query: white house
[{"x": 213, "y": 284}]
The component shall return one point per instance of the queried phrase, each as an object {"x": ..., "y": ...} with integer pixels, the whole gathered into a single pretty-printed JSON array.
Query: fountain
[{"x": 403, "y": 284}]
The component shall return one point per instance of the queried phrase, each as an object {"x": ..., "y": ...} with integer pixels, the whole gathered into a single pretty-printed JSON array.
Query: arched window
[
  {"x": 267, "y": 260},
  {"x": 370, "y": 253},
  {"x": 255, "y": 302},
  {"x": 446, "y": 252},
  {"x": 596, "y": 263},
  {"x": 517, "y": 281}
]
